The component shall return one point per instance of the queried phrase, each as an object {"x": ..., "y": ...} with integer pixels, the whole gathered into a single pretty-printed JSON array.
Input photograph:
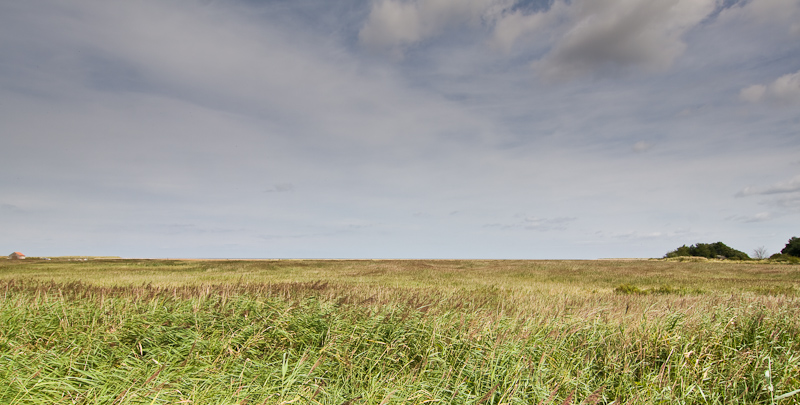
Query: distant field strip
[{"x": 399, "y": 332}]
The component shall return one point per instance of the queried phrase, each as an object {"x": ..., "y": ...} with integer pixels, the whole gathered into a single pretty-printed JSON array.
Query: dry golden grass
[{"x": 399, "y": 331}]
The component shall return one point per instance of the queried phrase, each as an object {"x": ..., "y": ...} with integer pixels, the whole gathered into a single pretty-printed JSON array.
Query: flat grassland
[{"x": 398, "y": 332}]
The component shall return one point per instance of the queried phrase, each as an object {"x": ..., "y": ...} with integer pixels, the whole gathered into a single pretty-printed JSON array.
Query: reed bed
[{"x": 524, "y": 339}]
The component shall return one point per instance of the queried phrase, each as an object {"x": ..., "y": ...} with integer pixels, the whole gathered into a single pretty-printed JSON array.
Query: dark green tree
[
  {"x": 703, "y": 250},
  {"x": 792, "y": 248},
  {"x": 681, "y": 251}
]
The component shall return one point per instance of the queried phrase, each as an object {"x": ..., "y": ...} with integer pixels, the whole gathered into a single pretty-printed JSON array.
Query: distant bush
[
  {"x": 783, "y": 258},
  {"x": 792, "y": 247},
  {"x": 717, "y": 250}
]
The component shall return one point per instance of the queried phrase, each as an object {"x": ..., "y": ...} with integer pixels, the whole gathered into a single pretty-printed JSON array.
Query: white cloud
[
  {"x": 789, "y": 186},
  {"x": 753, "y": 94},
  {"x": 510, "y": 27},
  {"x": 391, "y": 23},
  {"x": 784, "y": 90},
  {"x": 394, "y": 24},
  {"x": 759, "y": 217},
  {"x": 783, "y": 12},
  {"x": 784, "y": 195}
]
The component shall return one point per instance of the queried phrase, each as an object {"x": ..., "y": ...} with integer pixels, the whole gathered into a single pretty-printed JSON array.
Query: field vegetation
[{"x": 399, "y": 332}]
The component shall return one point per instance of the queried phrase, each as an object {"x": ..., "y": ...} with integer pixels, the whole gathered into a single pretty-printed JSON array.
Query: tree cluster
[
  {"x": 790, "y": 252},
  {"x": 717, "y": 250},
  {"x": 792, "y": 248}
]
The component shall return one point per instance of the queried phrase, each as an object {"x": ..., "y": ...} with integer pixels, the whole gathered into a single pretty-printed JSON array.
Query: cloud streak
[
  {"x": 784, "y": 90},
  {"x": 535, "y": 223},
  {"x": 789, "y": 186}
]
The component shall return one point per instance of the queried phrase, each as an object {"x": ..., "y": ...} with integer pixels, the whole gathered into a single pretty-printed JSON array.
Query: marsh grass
[
  {"x": 455, "y": 332},
  {"x": 666, "y": 289}
]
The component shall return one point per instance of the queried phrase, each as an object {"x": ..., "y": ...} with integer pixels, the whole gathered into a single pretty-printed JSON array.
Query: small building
[{"x": 16, "y": 256}]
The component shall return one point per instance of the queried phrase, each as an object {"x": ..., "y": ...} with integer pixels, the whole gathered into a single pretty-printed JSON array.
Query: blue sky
[{"x": 398, "y": 129}]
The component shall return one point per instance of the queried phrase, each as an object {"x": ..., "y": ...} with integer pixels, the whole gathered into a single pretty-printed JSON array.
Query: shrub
[
  {"x": 709, "y": 251},
  {"x": 783, "y": 258}
]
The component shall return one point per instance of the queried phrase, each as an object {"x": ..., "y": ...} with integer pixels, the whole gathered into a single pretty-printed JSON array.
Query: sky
[{"x": 474, "y": 129}]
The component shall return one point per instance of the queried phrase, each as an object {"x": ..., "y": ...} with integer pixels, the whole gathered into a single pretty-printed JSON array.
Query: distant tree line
[{"x": 719, "y": 250}]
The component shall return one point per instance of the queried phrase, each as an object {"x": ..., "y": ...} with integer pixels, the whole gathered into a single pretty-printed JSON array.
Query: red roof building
[{"x": 16, "y": 255}]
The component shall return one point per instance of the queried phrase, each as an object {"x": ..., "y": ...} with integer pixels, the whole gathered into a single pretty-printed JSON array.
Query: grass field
[{"x": 397, "y": 332}]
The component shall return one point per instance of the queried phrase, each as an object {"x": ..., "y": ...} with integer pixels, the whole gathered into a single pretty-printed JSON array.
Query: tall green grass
[{"x": 373, "y": 335}]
